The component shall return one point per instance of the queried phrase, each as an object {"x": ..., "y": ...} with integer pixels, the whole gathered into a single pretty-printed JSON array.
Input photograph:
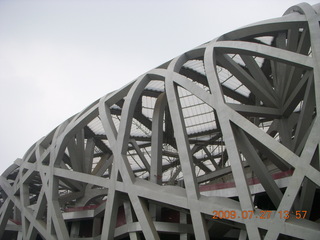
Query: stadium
[{"x": 221, "y": 142}]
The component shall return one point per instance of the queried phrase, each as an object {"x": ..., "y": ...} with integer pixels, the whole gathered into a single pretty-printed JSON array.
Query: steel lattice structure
[{"x": 230, "y": 126}]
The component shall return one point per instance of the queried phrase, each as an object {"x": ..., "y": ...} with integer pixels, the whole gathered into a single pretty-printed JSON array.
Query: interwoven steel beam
[{"x": 222, "y": 142}]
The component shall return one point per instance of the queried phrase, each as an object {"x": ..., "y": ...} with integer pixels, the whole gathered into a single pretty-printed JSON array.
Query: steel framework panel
[{"x": 220, "y": 142}]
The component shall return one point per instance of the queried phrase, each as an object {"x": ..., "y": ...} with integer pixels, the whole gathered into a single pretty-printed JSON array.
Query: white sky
[{"x": 57, "y": 57}]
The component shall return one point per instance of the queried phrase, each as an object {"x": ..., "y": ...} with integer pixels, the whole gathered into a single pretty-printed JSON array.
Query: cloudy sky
[{"x": 56, "y": 57}]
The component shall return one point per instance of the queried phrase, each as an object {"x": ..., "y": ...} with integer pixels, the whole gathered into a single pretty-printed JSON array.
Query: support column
[{"x": 183, "y": 220}]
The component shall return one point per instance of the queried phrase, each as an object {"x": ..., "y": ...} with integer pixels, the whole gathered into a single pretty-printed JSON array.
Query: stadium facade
[{"x": 222, "y": 142}]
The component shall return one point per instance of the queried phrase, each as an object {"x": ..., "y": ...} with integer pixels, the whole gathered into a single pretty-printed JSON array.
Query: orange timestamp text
[{"x": 261, "y": 214}]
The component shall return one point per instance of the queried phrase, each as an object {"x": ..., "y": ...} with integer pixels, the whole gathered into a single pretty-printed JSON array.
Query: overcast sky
[{"x": 56, "y": 57}]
